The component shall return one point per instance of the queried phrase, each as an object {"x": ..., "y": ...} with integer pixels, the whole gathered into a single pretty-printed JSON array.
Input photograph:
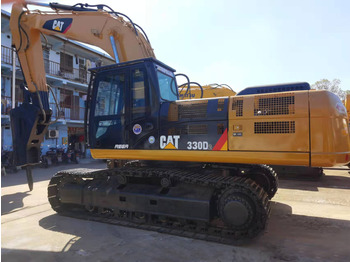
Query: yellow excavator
[{"x": 195, "y": 168}]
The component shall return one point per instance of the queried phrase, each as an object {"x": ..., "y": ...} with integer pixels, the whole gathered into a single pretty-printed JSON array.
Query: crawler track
[{"x": 228, "y": 191}]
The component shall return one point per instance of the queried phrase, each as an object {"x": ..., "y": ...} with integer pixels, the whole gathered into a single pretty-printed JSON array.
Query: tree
[{"x": 332, "y": 86}]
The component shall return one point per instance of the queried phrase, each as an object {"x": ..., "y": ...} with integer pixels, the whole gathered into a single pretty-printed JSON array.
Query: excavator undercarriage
[{"x": 211, "y": 203}]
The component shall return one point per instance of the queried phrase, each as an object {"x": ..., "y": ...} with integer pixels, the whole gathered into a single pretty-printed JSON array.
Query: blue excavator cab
[{"x": 124, "y": 102}]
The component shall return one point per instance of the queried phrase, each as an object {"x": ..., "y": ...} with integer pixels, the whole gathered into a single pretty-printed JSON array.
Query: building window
[
  {"x": 82, "y": 103},
  {"x": 66, "y": 98},
  {"x": 66, "y": 63},
  {"x": 82, "y": 70},
  {"x": 19, "y": 92},
  {"x": 46, "y": 55}
]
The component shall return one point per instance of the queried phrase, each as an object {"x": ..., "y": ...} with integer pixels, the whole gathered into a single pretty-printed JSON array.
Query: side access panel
[{"x": 270, "y": 127}]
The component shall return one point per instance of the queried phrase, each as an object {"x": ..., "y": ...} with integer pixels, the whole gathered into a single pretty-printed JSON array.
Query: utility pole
[{"x": 13, "y": 77}]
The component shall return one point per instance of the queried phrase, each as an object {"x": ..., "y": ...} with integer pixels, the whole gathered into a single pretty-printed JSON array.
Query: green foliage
[{"x": 332, "y": 86}]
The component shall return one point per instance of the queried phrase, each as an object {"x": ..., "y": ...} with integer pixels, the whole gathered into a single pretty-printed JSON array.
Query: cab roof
[{"x": 131, "y": 63}]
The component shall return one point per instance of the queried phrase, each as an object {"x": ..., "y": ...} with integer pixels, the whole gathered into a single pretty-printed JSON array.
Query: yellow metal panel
[
  {"x": 208, "y": 92},
  {"x": 347, "y": 104},
  {"x": 329, "y": 160},
  {"x": 329, "y": 129},
  {"x": 285, "y": 142},
  {"x": 270, "y": 158},
  {"x": 272, "y": 126}
]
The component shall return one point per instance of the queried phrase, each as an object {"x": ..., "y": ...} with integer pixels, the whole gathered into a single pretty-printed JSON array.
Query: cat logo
[
  {"x": 169, "y": 142},
  {"x": 58, "y": 25}
]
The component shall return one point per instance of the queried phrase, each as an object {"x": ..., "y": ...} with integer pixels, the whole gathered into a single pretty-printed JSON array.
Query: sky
[{"x": 247, "y": 42}]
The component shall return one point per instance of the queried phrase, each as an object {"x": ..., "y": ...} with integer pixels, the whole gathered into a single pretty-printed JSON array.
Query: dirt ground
[{"x": 310, "y": 221}]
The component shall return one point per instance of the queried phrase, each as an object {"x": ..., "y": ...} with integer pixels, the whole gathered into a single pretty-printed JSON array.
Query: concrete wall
[
  {"x": 54, "y": 142},
  {"x": 6, "y": 39},
  {"x": 5, "y": 86},
  {"x": 54, "y": 56},
  {"x": 6, "y": 140}
]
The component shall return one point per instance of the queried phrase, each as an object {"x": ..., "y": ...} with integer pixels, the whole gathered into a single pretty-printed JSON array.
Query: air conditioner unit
[{"x": 52, "y": 134}]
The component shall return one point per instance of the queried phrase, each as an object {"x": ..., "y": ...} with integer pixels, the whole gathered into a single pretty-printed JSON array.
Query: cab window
[
  {"x": 167, "y": 86},
  {"x": 138, "y": 91},
  {"x": 110, "y": 95}
]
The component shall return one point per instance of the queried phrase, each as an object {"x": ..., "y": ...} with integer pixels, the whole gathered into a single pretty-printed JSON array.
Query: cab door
[
  {"x": 108, "y": 116},
  {"x": 143, "y": 125}
]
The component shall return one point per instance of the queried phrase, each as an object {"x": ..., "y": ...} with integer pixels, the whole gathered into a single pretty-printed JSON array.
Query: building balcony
[
  {"x": 75, "y": 113},
  {"x": 69, "y": 113},
  {"x": 81, "y": 75},
  {"x": 78, "y": 78},
  {"x": 77, "y": 75}
]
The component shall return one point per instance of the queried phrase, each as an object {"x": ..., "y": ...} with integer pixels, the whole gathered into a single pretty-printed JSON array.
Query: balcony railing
[
  {"x": 77, "y": 75},
  {"x": 5, "y": 105},
  {"x": 6, "y": 56},
  {"x": 52, "y": 68},
  {"x": 69, "y": 113}
]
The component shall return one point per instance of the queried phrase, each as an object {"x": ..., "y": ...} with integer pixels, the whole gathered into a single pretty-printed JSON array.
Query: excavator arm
[{"x": 121, "y": 39}]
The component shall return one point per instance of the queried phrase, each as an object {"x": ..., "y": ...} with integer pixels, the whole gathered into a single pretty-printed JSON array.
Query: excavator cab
[{"x": 124, "y": 103}]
